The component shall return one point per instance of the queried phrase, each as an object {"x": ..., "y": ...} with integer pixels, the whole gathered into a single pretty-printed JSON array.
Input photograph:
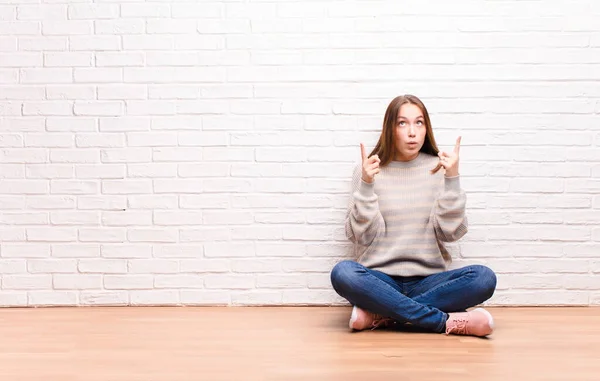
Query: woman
[{"x": 402, "y": 211}]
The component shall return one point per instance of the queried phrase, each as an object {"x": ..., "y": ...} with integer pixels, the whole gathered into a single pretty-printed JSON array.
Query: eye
[
  {"x": 402, "y": 123},
  {"x": 420, "y": 122}
]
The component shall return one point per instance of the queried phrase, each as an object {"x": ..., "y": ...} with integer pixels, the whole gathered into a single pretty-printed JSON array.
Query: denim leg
[
  {"x": 379, "y": 294},
  {"x": 455, "y": 290}
]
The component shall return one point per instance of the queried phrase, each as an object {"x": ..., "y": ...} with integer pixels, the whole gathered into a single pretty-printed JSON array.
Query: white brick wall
[{"x": 200, "y": 152}]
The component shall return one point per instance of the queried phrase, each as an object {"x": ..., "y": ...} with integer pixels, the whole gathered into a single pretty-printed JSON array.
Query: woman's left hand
[{"x": 449, "y": 161}]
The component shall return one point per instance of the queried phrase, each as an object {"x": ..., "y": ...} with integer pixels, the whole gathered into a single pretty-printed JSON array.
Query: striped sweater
[{"x": 400, "y": 222}]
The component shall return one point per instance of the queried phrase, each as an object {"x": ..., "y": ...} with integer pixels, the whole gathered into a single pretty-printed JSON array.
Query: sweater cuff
[
  {"x": 452, "y": 184},
  {"x": 365, "y": 189}
]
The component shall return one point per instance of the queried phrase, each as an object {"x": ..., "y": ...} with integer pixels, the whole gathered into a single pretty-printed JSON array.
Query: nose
[{"x": 411, "y": 130}]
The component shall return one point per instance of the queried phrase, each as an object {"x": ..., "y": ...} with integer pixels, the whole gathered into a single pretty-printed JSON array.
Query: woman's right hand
[{"x": 370, "y": 166}]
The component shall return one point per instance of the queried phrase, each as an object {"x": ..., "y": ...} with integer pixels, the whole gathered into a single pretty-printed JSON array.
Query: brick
[
  {"x": 101, "y": 202},
  {"x": 13, "y": 266},
  {"x": 76, "y": 250},
  {"x": 279, "y": 249},
  {"x": 28, "y": 187},
  {"x": 204, "y": 297},
  {"x": 227, "y": 218},
  {"x": 69, "y": 28},
  {"x": 281, "y": 281},
  {"x": 179, "y": 154},
  {"x": 29, "y": 250},
  {"x": 126, "y": 155},
  {"x": 68, "y": 187},
  {"x": 176, "y": 122},
  {"x": 49, "y": 108},
  {"x": 151, "y": 266},
  {"x": 151, "y": 139},
  {"x": 93, "y": 11},
  {"x": 42, "y": 12},
  {"x": 152, "y": 202},
  {"x": 102, "y": 235},
  {"x": 154, "y": 297},
  {"x": 308, "y": 265},
  {"x": 233, "y": 282},
  {"x": 179, "y": 186},
  {"x": 51, "y": 202},
  {"x": 179, "y": 281},
  {"x": 127, "y": 186},
  {"x": 75, "y": 156},
  {"x": 205, "y": 265},
  {"x": 102, "y": 266},
  {"x": 226, "y": 249},
  {"x": 18, "y": 60},
  {"x": 256, "y": 298},
  {"x": 152, "y": 170},
  {"x": 177, "y": 218},
  {"x": 13, "y": 299},
  {"x": 152, "y": 235},
  {"x": 126, "y": 218},
  {"x": 51, "y": 298},
  {"x": 71, "y": 59},
  {"x": 75, "y": 218},
  {"x": 104, "y": 298},
  {"x": 118, "y": 59},
  {"x": 73, "y": 124},
  {"x": 311, "y": 297},
  {"x": 204, "y": 234},
  {"x": 13, "y": 234},
  {"x": 76, "y": 281},
  {"x": 52, "y": 234},
  {"x": 104, "y": 171},
  {"x": 126, "y": 251},
  {"x": 27, "y": 282},
  {"x": 178, "y": 251},
  {"x": 128, "y": 282},
  {"x": 24, "y": 218},
  {"x": 265, "y": 232}
]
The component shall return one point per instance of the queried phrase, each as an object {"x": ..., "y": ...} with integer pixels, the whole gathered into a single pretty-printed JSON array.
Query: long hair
[{"x": 385, "y": 147}]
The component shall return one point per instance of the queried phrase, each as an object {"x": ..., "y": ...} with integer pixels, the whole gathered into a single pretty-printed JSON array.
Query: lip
[{"x": 412, "y": 143}]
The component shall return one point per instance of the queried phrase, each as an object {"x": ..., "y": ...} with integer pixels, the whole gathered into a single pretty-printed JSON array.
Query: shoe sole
[
  {"x": 353, "y": 317},
  {"x": 489, "y": 316}
]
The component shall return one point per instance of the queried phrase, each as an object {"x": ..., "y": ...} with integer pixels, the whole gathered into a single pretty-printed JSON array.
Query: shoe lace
[
  {"x": 457, "y": 325},
  {"x": 379, "y": 320}
]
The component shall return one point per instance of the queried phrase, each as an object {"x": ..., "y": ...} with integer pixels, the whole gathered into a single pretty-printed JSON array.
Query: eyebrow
[{"x": 418, "y": 117}]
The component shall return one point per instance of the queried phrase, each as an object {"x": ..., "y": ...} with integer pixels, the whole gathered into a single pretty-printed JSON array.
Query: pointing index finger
[
  {"x": 362, "y": 152},
  {"x": 457, "y": 145}
]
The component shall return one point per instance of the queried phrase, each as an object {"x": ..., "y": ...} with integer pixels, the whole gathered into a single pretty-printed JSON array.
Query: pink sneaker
[
  {"x": 362, "y": 319},
  {"x": 478, "y": 322}
]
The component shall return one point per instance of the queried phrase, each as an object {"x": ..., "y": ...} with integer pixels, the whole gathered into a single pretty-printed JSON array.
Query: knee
[
  {"x": 486, "y": 280},
  {"x": 342, "y": 273}
]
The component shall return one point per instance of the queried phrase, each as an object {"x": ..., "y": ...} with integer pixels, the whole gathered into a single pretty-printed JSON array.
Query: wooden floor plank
[{"x": 287, "y": 343}]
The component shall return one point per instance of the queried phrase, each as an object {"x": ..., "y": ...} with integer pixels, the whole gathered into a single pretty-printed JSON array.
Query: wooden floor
[{"x": 292, "y": 343}]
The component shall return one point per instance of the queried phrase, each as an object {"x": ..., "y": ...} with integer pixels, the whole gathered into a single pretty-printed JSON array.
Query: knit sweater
[{"x": 400, "y": 222}]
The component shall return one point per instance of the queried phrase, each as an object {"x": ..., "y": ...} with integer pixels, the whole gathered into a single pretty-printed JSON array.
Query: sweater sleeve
[
  {"x": 449, "y": 217},
  {"x": 364, "y": 221}
]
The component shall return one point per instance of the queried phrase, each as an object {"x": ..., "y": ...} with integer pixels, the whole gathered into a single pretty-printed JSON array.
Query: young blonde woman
[{"x": 406, "y": 203}]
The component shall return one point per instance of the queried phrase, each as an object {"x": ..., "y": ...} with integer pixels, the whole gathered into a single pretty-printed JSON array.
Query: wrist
[{"x": 451, "y": 173}]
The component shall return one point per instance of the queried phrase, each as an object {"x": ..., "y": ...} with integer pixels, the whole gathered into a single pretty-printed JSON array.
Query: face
[{"x": 410, "y": 132}]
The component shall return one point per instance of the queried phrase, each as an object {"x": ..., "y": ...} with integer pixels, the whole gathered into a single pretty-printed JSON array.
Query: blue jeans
[{"x": 421, "y": 301}]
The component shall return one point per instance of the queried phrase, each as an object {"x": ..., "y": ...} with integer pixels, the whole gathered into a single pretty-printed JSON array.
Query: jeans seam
[{"x": 441, "y": 286}]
